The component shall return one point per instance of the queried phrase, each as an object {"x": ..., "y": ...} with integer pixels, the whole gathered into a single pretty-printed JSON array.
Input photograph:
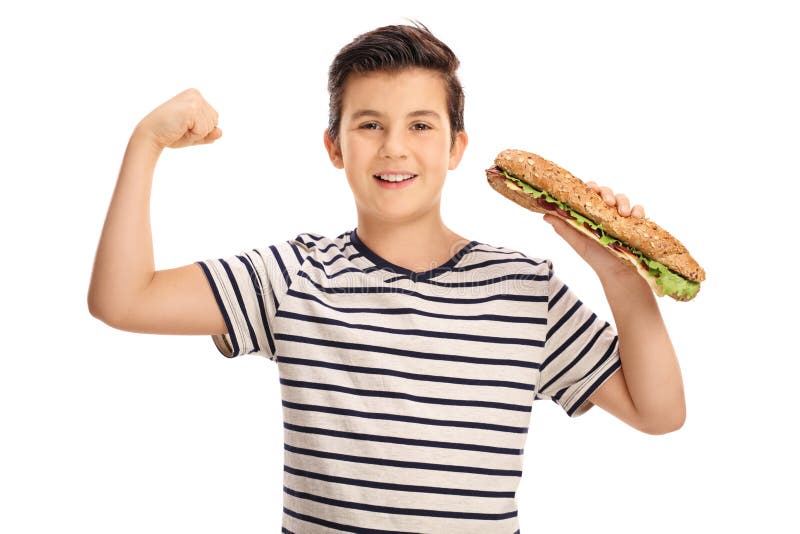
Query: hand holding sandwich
[
  {"x": 599, "y": 257},
  {"x": 651, "y": 384},
  {"x": 542, "y": 186},
  {"x": 635, "y": 260}
]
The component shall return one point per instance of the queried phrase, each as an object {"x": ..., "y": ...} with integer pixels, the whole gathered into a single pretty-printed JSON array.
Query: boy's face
[{"x": 380, "y": 133}]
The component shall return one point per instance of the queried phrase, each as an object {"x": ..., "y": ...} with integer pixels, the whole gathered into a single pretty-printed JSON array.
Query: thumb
[
  {"x": 558, "y": 224},
  {"x": 569, "y": 233},
  {"x": 213, "y": 135}
]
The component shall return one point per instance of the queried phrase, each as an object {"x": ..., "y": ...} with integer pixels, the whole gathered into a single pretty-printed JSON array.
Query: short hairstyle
[{"x": 392, "y": 49}]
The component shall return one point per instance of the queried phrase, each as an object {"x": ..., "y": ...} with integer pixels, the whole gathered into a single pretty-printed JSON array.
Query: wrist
[
  {"x": 623, "y": 293},
  {"x": 625, "y": 276},
  {"x": 145, "y": 138}
]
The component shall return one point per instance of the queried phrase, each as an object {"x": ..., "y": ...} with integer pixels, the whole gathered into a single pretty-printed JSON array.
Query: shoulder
[
  {"x": 315, "y": 242},
  {"x": 509, "y": 258},
  {"x": 293, "y": 251},
  {"x": 317, "y": 246}
]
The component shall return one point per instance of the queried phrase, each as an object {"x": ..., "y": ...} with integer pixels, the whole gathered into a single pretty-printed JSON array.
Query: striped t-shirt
[{"x": 407, "y": 395}]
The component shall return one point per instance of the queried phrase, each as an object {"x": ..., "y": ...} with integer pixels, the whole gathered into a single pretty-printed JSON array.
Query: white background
[{"x": 690, "y": 108}]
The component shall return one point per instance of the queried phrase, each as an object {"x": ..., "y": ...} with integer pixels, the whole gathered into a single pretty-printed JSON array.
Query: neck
[{"x": 419, "y": 245}]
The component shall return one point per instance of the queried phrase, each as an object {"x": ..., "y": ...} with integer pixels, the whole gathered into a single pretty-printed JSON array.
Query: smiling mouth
[{"x": 395, "y": 178}]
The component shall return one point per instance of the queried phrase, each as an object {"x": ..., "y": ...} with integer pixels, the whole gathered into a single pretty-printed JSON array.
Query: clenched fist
[{"x": 184, "y": 120}]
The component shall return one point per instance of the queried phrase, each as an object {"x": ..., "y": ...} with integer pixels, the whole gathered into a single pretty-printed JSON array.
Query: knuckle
[{"x": 191, "y": 94}]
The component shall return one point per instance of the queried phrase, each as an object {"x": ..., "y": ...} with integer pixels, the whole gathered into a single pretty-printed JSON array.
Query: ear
[
  {"x": 334, "y": 152},
  {"x": 458, "y": 149}
]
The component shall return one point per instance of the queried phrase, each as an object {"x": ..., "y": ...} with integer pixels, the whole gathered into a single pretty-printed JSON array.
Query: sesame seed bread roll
[{"x": 640, "y": 233}]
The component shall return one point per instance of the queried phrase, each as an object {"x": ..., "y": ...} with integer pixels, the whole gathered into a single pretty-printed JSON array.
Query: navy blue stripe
[
  {"x": 240, "y": 301},
  {"x": 467, "y": 268},
  {"x": 494, "y": 251},
  {"x": 259, "y": 292},
  {"x": 285, "y": 530},
  {"x": 400, "y": 487},
  {"x": 334, "y": 259},
  {"x": 341, "y": 255},
  {"x": 616, "y": 365},
  {"x": 326, "y": 249},
  {"x": 557, "y": 297},
  {"x": 357, "y": 254},
  {"x": 340, "y": 526},
  {"x": 397, "y": 511},
  {"x": 401, "y": 463},
  {"x": 498, "y": 261},
  {"x": 308, "y": 243},
  {"x": 320, "y": 266},
  {"x": 500, "y": 250},
  {"x": 287, "y": 276},
  {"x": 474, "y": 283},
  {"x": 401, "y": 291},
  {"x": 396, "y": 394},
  {"x": 412, "y": 331},
  {"x": 414, "y": 311},
  {"x": 577, "y": 358},
  {"x": 296, "y": 253},
  {"x": 575, "y": 335},
  {"x": 405, "y": 418},
  {"x": 269, "y": 288},
  {"x": 403, "y": 374},
  {"x": 609, "y": 351},
  {"x": 564, "y": 318},
  {"x": 401, "y": 441},
  {"x": 397, "y": 269},
  {"x": 225, "y": 316},
  {"x": 407, "y": 353}
]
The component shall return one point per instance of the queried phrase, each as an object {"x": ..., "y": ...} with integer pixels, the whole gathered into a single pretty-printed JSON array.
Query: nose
[{"x": 393, "y": 146}]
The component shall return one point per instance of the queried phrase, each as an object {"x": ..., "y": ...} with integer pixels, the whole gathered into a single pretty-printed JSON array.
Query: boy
[{"x": 409, "y": 356}]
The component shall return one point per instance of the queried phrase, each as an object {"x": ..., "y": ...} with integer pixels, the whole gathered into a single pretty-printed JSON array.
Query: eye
[
  {"x": 424, "y": 126},
  {"x": 368, "y": 125}
]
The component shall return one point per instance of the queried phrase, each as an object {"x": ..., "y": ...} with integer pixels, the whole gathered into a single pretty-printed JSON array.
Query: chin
[{"x": 394, "y": 214}]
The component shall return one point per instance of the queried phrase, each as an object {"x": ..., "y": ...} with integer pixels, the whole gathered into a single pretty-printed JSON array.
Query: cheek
[
  {"x": 438, "y": 152},
  {"x": 359, "y": 145}
]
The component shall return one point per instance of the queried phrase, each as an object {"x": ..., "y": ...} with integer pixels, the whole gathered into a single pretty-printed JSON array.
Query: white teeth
[{"x": 395, "y": 177}]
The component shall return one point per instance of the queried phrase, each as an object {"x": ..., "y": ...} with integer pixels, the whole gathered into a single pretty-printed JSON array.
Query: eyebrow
[{"x": 372, "y": 113}]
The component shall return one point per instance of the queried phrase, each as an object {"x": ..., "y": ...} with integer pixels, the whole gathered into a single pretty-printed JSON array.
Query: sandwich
[{"x": 542, "y": 186}]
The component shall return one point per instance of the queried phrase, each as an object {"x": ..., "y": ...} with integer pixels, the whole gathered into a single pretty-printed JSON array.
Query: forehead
[{"x": 394, "y": 92}]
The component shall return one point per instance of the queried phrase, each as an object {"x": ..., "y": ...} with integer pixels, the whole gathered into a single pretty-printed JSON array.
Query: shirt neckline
[{"x": 385, "y": 264}]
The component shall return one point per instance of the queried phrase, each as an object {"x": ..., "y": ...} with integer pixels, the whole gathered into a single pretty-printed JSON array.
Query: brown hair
[{"x": 391, "y": 49}]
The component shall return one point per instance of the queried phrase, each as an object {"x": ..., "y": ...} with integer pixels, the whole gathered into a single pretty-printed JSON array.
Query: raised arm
[
  {"x": 125, "y": 290},
  {"x": 647, "y": 392}
]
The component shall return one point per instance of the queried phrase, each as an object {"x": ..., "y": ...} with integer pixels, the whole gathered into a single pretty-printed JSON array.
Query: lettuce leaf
[{"x": 672, "y": 283}]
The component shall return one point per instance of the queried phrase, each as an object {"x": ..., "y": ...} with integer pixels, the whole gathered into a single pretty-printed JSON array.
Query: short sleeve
[
  {"x": 248, "y": 288},
  {"x": 581, "y": 350}
]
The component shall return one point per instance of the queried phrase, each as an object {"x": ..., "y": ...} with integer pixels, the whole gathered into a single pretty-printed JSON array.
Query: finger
[
  {"x": 214, "y": 116},
  {"x": 209, "y": 121},
  {"x": 215, "y": 134},
  {"x": 200, "y": 117},
  {"x": 623, "y": 205},
  {"x": 608, "y": 195},
  {"x": 593, "y": 186},
  {"x": 205, "y": 126},
  {"x": 637, "y": 211}
]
